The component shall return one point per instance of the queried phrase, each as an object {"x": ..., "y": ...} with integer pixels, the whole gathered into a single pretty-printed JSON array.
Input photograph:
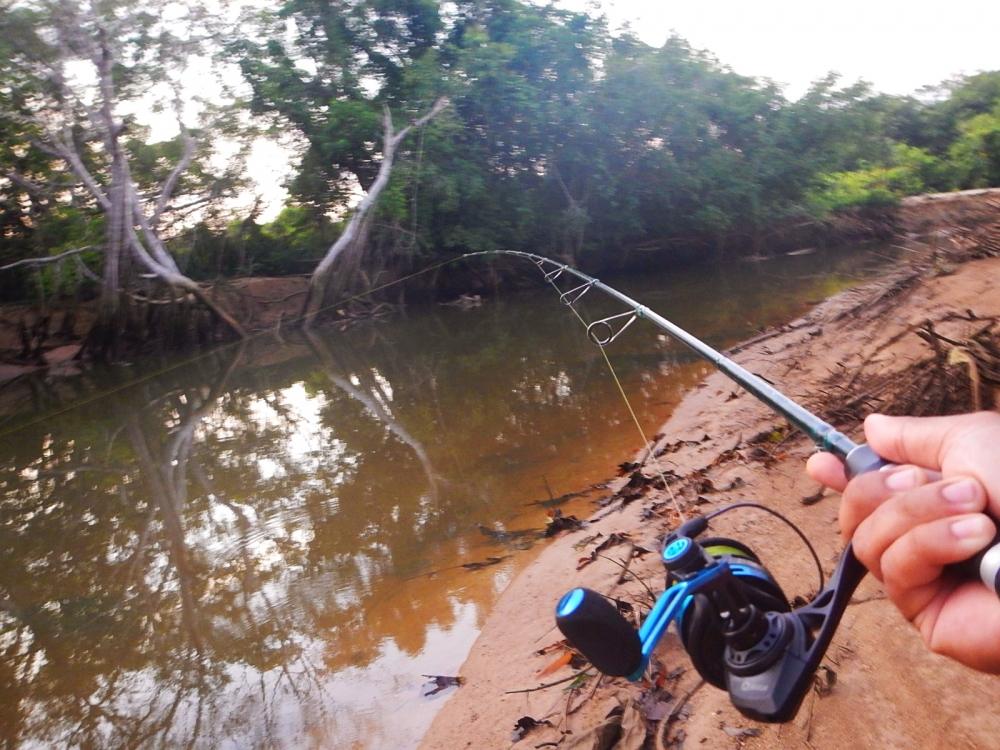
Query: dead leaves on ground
[
  {"x": 612, "y": 540},
  {"x": 558, "y": 522},
  {"x": 525, "y": 725},
  {"x": 623, "y": 729}
]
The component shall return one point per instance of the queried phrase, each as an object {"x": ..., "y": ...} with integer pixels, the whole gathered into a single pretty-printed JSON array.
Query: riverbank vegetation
[{"x": 546, "y": 132}]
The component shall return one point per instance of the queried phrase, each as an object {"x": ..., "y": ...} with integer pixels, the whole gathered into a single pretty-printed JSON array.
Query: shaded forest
[{"x": 469, "y": 126}]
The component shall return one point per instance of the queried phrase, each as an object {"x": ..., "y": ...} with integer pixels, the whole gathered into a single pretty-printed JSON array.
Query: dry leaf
[{"x": 561, "y": 661}]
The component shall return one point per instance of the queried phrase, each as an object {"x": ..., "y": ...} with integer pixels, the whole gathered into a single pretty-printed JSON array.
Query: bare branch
[
  {"x": 178, "y": 170},
  {"x": 163, "y": 258},
  {"x": 85, "y": 271},
  {"x": 353, "y": 230},
  {"x": 46, "y": 260},
  {"x": 67, "y": 152},
  {"x": 26, "y": 184},
  {"x": 433, "y": 112}
]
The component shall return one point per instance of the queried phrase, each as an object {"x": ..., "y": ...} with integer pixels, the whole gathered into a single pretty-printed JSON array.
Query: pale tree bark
[
  {"x": 353, "y": 232},
  {"x": 575, "y": 221},
  {"x": 118, "y": 199}
]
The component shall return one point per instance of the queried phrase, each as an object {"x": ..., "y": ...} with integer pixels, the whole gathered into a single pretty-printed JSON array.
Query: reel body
[
  {"x": 700, "y": 621},
  {"x": 733, "y": 619}
]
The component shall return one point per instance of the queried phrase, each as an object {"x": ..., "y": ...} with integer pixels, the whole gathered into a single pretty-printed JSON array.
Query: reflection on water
[{"x": 265, "y": 546}]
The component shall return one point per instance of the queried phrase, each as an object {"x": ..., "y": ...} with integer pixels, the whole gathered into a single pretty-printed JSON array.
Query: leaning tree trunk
[
  {"x": 105, "y": 336},
  {"x": 352, "y": 233}
]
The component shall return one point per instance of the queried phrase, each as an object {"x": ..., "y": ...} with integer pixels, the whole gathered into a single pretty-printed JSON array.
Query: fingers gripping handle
[{"x": 984, "y": 565}]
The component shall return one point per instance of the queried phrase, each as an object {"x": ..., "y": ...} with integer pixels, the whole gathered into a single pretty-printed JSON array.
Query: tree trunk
[
  {"x": 114, "y": 243},
  {"x": 352, "y": 233}
]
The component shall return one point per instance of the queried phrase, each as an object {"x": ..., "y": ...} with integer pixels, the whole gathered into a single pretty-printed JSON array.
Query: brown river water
[{"x": 266, "y": 545}]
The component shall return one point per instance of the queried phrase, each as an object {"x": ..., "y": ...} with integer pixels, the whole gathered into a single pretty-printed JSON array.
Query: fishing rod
[{"x": 733, "y": 618}]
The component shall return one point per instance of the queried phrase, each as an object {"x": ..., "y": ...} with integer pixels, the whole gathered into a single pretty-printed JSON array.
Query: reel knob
[{"x": 595, "y": 628}]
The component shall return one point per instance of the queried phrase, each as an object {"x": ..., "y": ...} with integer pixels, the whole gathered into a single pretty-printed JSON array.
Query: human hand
[{"x": 908, "y": 522}]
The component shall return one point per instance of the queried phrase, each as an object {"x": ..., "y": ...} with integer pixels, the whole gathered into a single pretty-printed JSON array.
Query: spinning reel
[{"x": 733, "y": 619}]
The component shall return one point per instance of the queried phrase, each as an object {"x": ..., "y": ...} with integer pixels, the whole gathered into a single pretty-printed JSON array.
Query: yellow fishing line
[{"x": 647, "y": 444}]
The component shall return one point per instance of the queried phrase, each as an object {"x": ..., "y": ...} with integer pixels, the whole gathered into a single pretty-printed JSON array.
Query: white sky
[{"x": 898, "y": 46}]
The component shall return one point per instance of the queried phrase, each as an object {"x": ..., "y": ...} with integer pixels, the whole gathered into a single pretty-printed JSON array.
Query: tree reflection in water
[{"x": 235, "y": 552}]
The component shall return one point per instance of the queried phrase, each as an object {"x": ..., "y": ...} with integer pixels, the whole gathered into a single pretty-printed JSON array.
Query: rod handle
[
  {"x": 863, "y": 459},
  {"x": 984, "y": 565}
]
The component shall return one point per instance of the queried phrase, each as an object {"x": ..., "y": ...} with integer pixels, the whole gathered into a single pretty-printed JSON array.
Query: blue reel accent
[
  {"x": 743, "y": 570},
  {"x": 670, "y": 606},
  {"x": 676, "y": 549},
  {"x": 570, "y": 601}
]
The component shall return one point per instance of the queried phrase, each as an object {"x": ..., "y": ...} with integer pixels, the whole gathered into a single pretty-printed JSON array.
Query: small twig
[
  {"x": 683, "y": 702},
  {"x": 578, "y": 706},
  {"x": 629, "y": 557},
  {"x": 873, "y": 598},
  {"x": 626, "y": 570},
  {"x": 809, "y": 721},
  {"x": 548, "y": 684},
  {"x": 661, "y": 734}
]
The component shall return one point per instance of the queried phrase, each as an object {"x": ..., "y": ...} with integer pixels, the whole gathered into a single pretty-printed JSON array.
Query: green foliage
[
  {"x": 908, "y": 171},
  {"x": 862, "y": 188},
  {"x": 561, "y": 137},
  {"x": 975, "y": 154},
  {"x": 292, "y": 243}
]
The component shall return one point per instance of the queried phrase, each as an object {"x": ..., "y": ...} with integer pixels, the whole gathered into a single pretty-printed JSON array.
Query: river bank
[{"x": 881, "y": 347}]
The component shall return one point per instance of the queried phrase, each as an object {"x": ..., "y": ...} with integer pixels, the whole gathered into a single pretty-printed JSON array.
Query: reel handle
[
  {"x": 596, "y": 628},
  {"x": 984, "y": 565}
]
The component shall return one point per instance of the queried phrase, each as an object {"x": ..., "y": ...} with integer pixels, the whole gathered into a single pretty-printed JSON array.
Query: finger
[
  {"x": 867, "y": 492},
  {"x": 828, "y": 470},
  {"x": 964, "y": 624},
  {"x": 964, "y": 444},
  {"x": 912, "y": 565},
  {"x": 905, "y": 511}
]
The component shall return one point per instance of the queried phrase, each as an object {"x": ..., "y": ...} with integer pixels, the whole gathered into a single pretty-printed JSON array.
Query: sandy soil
[{"x": 889, "y": 691}]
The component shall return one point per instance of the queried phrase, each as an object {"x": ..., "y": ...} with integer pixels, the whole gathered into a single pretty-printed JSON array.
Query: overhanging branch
[{"x": 46, "y": 260}]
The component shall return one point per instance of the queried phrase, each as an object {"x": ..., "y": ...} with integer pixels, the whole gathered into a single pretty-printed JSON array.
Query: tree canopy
[{"x": 561, "y": 137}]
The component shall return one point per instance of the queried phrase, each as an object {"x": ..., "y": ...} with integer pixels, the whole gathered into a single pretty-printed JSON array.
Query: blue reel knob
[{"x": 595, "y": 628}]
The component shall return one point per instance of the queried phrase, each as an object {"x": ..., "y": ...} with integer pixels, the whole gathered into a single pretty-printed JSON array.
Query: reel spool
[{"x": 700, "y": 621}]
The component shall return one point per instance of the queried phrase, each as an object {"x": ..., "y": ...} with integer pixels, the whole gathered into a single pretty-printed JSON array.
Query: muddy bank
[{"x": 881, "y": 347}]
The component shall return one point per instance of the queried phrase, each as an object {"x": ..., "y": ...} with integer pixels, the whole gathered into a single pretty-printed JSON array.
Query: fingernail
[
  {"x": 962, "y": 492},
  {"x": 903, "y": 480},
  {"x": 969, "y": 528}
]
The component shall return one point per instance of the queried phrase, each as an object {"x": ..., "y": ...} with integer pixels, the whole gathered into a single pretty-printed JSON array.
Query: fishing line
[
  {"x": 787, "y": 521},
  {"x": 570, "y": 302}
]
